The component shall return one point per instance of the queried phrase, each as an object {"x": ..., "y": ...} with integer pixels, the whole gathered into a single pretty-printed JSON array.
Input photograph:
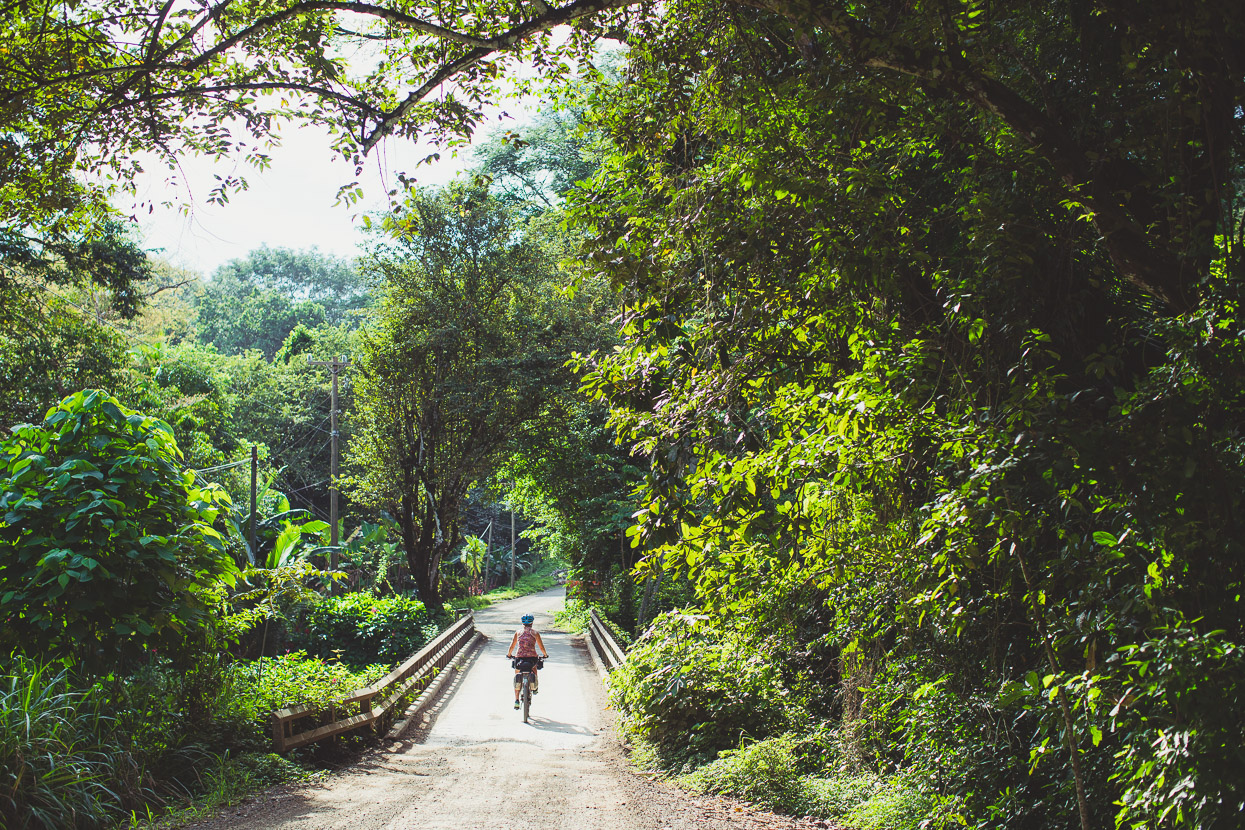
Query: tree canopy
[
  {"x": 93, "y": 85},
  {"x": 468, "y": 347},
  {"x": 930, "y": 339}
]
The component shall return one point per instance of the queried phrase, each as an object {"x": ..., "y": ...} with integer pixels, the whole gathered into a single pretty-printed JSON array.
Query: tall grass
[
  {"x": 95, "y": 757},
  {"x": 58, "y": 753}
]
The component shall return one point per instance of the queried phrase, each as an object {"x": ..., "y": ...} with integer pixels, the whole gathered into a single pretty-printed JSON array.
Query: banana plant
[
  {"x": 289, "y": 546},
  {"x": 279, "y": 537},
  {"x": 369, "y": 550}
]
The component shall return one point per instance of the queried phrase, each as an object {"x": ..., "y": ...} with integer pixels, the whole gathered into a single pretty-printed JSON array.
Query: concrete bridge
[{"x": 470, "y": 762}]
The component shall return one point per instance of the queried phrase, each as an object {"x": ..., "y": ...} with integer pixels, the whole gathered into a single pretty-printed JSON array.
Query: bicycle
[{"x": 525, "y": 681}]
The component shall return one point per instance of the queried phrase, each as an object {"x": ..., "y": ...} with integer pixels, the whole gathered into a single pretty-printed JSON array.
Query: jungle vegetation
[{"x": 927, "y": 357}]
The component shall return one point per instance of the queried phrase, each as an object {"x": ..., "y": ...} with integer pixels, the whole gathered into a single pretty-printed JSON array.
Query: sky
[
  {"x": 291, "y": 204},
  {"x": 288, "y": 205}
]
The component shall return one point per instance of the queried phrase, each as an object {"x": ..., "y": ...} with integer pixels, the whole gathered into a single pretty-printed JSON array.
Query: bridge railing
[
  {"x": 373, "y": 705},
  {"x": 603, "y": 641}
]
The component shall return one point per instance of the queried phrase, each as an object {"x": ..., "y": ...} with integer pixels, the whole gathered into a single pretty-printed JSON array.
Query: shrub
[
  {"x": 838, "y": 795},
  {"x": 107, "y": 543},
  {"x": 86, "y": 758},
  {"x": 255, "y": 689},
  {"x": 362, "y": 629},
  {"x": 572, "y": 616},
  {"x": 693, "y": 687},
  {"x": 767, "y": 772},
  {"x": 897, "y": 805},
  {"x": 781, "y": 773}
]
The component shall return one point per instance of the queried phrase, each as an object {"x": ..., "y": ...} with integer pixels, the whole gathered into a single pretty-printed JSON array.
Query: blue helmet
[{"x": 528, "y": 619}]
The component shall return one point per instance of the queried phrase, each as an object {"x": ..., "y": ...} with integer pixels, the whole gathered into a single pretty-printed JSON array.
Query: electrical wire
[{"x": 222, "y": 466}]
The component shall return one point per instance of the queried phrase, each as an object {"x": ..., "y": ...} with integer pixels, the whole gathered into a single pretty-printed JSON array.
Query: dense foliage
[
  {"x": 254, "y": 690},
  {"x": 692, "y": 690},
  {"x": 896, "y": 356},
  {"x": 467, "y": 351},
  {"x": 931, "y": 347},
  {"x": 107, "y": 543},
  {"x": 361, "y": 628}
]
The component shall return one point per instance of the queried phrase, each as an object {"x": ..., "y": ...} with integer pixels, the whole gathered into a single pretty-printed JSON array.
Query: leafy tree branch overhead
[{"x": 95, "y": 85}]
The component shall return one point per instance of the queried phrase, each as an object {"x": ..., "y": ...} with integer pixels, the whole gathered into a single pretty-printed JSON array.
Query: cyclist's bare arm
[
  {"x": 540, "y": 643},
  {"x": 514, "y": 641}
]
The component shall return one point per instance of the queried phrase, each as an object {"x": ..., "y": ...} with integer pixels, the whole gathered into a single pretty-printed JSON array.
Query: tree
[
  {"x": 90, "y": 88},
  {"x": 885, "y": 371},
  {"x": 235, "y": 316},
  {"x": 68, "y": 73},
  {"x": 57, "y": 337},
  {"x": 539, "y": 163},
  {"x": 107, "y": 544},
  {"x": 301, "y": 277},
  {"x": 49, "y": 348},
  {"x": 469, "y": 344}
]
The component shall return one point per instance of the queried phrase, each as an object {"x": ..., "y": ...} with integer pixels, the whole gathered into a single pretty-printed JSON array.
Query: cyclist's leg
[{"x": 535, "y": 679}]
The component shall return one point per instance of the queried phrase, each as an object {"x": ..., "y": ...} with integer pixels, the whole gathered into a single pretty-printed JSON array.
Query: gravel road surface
[{"x": 473, "y": 763}]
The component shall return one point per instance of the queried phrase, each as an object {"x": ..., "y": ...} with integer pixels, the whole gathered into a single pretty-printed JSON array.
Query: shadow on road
[{"x": 548, "y": 725}]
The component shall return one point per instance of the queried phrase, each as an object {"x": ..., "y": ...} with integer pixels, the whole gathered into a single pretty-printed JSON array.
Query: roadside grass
[
  {"x": 226, "y": 782},
  {"x": 59, "y": 752},
  {"x": 531, "y": 583},
  {"x": 573, "y": 616},
  {"x": 771, "y": 773},
  {"x": 111, "y": 756}
]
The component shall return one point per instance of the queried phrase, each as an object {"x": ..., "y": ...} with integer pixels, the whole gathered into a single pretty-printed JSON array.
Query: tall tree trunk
[
  {"x": 419, "y": 540},
  {"x": 425, "y": 561},
  {"x": 427, "y": 582}
]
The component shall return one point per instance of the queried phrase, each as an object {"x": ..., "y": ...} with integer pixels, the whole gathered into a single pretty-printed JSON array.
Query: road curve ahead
[{"x": 475, "y": 764}]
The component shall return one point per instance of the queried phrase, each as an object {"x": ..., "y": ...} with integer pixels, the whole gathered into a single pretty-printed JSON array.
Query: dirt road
[{"x": 475, "y": 764}]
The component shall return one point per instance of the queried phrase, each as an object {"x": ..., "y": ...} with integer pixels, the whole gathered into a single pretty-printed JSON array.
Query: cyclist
[{"x": 522, "y": 651}]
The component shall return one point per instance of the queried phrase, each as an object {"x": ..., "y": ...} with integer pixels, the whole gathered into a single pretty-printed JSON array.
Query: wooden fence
[
  {"x": 603, "y": 641},
  {"x": 374, "y": 705}
]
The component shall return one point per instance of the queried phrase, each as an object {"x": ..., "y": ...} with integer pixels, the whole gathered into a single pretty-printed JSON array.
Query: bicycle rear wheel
[{"x": 526, "y": 694}]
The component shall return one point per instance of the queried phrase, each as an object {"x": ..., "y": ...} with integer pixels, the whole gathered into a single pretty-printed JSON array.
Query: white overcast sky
[{"x": 289, "y": 205}]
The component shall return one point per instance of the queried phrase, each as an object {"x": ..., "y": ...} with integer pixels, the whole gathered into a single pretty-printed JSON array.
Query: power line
[
  {"x": 222, "y": 466},
  {"x": 306, "y": 487}
]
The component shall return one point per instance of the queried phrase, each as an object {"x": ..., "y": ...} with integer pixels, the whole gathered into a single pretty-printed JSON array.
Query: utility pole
[
  {"x": 250, "y": 531},
  {"x": 334, "y": 366},
  {"x": 488, "y": 556}
]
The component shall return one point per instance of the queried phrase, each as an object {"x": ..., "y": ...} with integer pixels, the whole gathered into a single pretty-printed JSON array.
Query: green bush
[
  {"x": 766, "y": 772},
  {"x": 897, "y": 805},
  {"x": 693, "y": 687},
  {"x": 256, "y": 688},
  {"x": 107, "y": 545},
  {"x": 838, "y": 795},
  {"x": 782, "y": 773},
  {"x": 572, "y": 616},
  {"x": 362, "y": 629}
]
